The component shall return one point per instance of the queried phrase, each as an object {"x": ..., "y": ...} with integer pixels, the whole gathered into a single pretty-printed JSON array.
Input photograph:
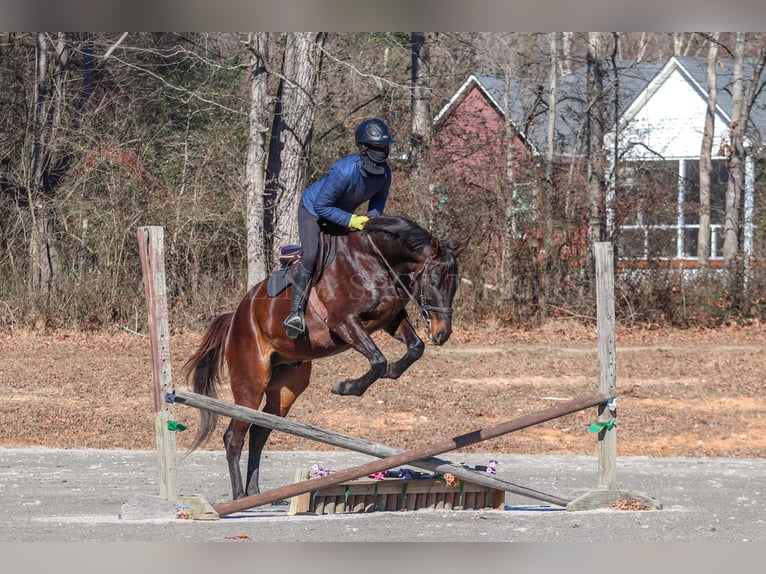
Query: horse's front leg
[
  {"x": 353, "y": 333},
  {"x": 402, "y": 330}
]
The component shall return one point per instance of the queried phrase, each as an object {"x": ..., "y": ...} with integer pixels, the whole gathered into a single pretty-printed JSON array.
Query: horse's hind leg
[
  {"x": 234, "y": 440},
  {"x": 287, "y": 383},
  {"x": 248, "y": 378},
  {"x": 404, "y": 331},
  {"x": 258, "y": 437}
]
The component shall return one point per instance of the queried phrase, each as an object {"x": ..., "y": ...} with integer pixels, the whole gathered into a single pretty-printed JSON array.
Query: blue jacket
[{"x": 345, "y": 187}]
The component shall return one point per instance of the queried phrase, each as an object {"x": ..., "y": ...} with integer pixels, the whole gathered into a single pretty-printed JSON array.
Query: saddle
[{"x": 290, "y": 255}]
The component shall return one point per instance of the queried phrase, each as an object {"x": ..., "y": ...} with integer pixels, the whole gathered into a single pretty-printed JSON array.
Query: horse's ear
[
  {"x": 435, "y": 247},
  {"x": 459, "y": 248}
]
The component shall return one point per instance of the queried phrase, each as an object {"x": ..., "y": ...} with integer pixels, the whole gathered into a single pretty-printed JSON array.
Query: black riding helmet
[
  {"x": 373, "y": 139},
  {"x": 373, "y": 131}
]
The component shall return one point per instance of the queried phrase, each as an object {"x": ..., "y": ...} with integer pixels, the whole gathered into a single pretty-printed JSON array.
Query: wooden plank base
[
  {"x": 617, "y": 499},
  {"x": 197, "y": 508},
  {"x": 395, "y": 494}
]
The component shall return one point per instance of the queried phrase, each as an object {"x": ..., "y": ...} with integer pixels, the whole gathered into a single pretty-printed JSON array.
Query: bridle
[{"x": 423, "y": 306}]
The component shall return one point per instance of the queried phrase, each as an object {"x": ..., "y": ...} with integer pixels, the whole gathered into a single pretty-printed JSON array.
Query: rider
[{"x": 352, "y": 180}]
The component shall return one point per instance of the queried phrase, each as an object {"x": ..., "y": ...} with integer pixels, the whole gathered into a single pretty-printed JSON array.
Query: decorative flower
[
  {"x": 319, "y": 471},
  {"x": 378, "y": 475}
]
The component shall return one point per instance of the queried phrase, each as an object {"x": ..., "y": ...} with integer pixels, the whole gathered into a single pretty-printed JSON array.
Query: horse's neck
[{"x": 394, "y": 252}]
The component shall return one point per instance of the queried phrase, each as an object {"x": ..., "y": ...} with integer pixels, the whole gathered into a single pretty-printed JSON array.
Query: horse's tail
[{"x": 204, "y": 370}]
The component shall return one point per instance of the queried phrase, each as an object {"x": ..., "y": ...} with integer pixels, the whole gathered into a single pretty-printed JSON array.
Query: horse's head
[
  {"x": 431, "y": 264},
  {"x": 437, "y": 284}
]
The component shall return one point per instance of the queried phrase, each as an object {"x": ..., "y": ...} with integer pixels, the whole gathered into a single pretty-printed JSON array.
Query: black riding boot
[{"x": 295, "y": 324}]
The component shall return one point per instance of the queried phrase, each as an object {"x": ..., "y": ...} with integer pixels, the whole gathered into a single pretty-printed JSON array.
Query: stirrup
[{"x": 295, "y": 325}]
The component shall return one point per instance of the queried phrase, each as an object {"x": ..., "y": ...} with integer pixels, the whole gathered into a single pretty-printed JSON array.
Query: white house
[
  {"x": 656, "y": 111},
  {"x": 663, "y": 125}
]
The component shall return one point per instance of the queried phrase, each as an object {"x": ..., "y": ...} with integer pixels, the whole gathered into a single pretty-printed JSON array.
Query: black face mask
[
  {"x": 378, "y": 154},
  {"x": 374, "y": 159}
]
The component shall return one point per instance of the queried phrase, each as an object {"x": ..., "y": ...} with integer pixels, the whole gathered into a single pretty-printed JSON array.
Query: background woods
[{"x": 214, "y": 136}]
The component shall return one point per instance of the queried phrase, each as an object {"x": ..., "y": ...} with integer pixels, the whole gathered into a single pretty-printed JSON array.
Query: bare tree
[
  {"x": 736, "y": 157},
  {"x": 595, "y": 128},
  {"x": 550, "y": 186},
  {"x": 743, "y": 97},
  {"x": 421, "y": 115},
  {"x": 706, "y": 163},
  {"x": 48, "y": 161},
  {"x": 290, "y": 143},
  {"x": 255, "y": 176},
  {"x": 508, "y": 232}
]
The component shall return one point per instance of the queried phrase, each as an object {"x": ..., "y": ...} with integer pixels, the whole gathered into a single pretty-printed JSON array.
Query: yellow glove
[{"x": 358, "y": 221}]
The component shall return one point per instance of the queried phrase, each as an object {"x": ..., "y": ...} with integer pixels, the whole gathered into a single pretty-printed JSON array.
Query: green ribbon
[
  {"x": 601, "y": 425},
  {"x": 174, "y": 426}
]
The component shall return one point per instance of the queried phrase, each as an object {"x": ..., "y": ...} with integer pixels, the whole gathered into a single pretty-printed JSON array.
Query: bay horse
[{"x": 373, "y": 275}]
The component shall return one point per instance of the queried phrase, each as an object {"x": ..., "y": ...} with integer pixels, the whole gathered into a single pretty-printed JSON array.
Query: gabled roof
[
  {"x": 493, "y": 89},
  {"x": 626, "y": 87},
  {"x": 696, "y": 68}
]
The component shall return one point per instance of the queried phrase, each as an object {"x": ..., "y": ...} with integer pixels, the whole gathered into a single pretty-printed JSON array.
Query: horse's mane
[{"x": 407, "y": 231}]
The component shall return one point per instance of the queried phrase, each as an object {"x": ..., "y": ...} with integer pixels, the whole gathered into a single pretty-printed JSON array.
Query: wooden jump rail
[
  {"x": 391, "y": 461},
  {"x": 364, "y": 446},
  {"x": 152, "y": 259}
]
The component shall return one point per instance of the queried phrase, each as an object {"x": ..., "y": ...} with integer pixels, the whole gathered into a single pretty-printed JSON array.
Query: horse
[{"x": 373, "y": 275}]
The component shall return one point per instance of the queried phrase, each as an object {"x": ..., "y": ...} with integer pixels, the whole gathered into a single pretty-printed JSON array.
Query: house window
[
  {"x": 656, "y": 209},
  {"x": 523, "y": 197}
]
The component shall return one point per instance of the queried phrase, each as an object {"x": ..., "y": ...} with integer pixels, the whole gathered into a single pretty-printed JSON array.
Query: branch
[
  {"x": 113, "y": 47},
  {"x": 181, "y": 89}
]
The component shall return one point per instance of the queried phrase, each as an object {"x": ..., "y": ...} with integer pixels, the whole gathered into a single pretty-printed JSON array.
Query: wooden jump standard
[
  {"x": 406, "y": 457},
  {"x": 426, "y": 462}
]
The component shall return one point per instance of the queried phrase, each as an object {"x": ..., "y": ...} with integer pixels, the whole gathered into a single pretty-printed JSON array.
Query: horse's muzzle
[{"x": 440, "y": 336}]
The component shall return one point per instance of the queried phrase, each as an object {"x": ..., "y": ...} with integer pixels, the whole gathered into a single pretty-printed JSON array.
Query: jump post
[
  {"x": 151, "y": 243},
  {"x": 605, "y": 495}
]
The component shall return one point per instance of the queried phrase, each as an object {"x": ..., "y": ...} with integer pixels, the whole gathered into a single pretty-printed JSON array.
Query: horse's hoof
[
  {"x": 392, "y": 373},
  {"x": 345, "y": 388}
]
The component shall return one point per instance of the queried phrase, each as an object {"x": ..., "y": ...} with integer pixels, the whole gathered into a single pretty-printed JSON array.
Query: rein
[{"x": 423, "y": 305}]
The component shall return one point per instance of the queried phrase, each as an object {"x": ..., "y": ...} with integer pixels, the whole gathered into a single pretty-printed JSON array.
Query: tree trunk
[
  {"x": 255, "y": 177},
  {"x": 753, "y": 88},
  {"x": 595, "y": 129},
  {"x": 547, "y": 211},
  {"x": 44, "y": 260},
  {"x": 509, "y": 227},
  {"x": 421, "y": 118},
  {"x": 290, "y": 144},
  {"x": 736, "y": 159},
  {"x": 706, "y": 163}
]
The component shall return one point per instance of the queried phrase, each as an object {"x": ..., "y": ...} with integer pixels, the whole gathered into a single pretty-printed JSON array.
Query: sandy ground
[{"x": 56, "y": 495}]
